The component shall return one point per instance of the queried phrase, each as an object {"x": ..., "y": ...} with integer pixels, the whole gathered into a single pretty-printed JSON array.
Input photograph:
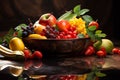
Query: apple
[{"x": 47, "y": 19}]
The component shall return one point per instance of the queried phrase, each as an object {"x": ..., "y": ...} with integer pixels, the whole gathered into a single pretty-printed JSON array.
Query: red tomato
[
  {"x": 94, "y": 23},
  {"x": 63, "y": 25}
]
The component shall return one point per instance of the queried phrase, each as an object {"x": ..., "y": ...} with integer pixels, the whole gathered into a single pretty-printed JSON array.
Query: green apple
[{"x": 106, "y": 43}]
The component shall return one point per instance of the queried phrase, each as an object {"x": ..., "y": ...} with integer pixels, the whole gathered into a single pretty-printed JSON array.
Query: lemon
[
  {"x": 16, "y": 44},
  {"x": 36, "y": 36}
]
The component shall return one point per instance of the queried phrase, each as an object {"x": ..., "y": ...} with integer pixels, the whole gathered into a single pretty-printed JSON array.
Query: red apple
[{"x": 47, "y": 19}]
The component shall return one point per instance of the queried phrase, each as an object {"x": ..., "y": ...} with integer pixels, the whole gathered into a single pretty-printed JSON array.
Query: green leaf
[
  {"x": 62, "y": 17},
  {"x": 91, "y": 34},
  {"x": 19, "y": 27},
  {"x": 101, "y": 35},
  {"x": 99, "y": 74},
  {"x": 97, "y": 44},
  {"x": 19, "y": 34},
  {"x": 76, "y": 9},
  {"x": 98, "y": 32},
  {"x": 1, "y": 40},
  {"x": 80, "y": 35},
  {"x": 92, "y": 28},
  {"x": 87, "y": 18},
  {"x": 83, "y": 11},
  {"x": 90, "y": 76},
  {"x": 9, "y": 35},
  {"x": 70, "y": 17}
]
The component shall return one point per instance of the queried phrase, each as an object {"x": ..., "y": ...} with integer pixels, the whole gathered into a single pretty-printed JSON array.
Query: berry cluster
[
  {"x": 52, "y": 32},
  {"x": 35, "y": 55},
  {"x": 28, "y": 30},
  {"x": 71, "y": 33}
]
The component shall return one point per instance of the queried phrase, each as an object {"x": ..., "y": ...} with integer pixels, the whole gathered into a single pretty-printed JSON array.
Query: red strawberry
[
  {"x": 101, "y": 53},
  {"x": 37, "y": 54},
  {"x": 115, "y": 50},
  {"x": 27, "y": 53},
  {"x": 90, "y": 50}
]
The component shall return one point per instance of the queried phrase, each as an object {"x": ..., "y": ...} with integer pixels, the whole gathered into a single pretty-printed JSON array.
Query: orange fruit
[{"x": 38, "y": 28}]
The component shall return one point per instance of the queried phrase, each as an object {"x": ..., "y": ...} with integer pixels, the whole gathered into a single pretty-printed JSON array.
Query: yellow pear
[{"x": 16, "y": 44}]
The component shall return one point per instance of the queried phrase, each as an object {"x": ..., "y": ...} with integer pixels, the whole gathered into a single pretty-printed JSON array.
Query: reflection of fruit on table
[{"x": 57, "y": 66}]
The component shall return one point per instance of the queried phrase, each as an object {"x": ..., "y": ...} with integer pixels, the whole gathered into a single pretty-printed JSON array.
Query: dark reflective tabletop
[{"x": 77, "y": 66}]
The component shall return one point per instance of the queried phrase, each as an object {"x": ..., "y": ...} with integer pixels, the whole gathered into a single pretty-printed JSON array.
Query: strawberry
[
  {"x": 27, "y": 53},
  {"x": 37, "y": 54},
  {"x": 101, "y": 53}
]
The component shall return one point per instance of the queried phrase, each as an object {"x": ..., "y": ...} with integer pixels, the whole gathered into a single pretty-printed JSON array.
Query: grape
[
  {"x": 28, "y": 30},
  {"x": 5, "y": 44},
  {"x": 50, "y": 32},
  {"x": 25, "y": 34}
]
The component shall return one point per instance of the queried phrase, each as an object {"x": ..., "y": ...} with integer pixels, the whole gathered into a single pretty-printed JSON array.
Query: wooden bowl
[{"x": 61, "y": 47}]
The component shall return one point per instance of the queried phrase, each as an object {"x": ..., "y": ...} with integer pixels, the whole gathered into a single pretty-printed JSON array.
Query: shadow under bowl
[{"x": 61, "y": 47}]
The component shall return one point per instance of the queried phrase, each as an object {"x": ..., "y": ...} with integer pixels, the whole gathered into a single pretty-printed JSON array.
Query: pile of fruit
[{"x": 72, "y": 24}]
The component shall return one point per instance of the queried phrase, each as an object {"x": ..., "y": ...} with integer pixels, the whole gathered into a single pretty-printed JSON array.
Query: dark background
[{"x": 15, "y": 12}]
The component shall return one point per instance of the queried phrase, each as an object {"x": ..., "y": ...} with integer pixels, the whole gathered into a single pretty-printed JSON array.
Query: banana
[
  {"x": 9, "y": 53},
  {"x": 6, "y": 49}
]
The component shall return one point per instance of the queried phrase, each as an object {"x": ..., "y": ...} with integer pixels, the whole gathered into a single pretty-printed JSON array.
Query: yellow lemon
[
  {"x": 36, "y": 36},
  {"x": 16, "y": 44}
]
